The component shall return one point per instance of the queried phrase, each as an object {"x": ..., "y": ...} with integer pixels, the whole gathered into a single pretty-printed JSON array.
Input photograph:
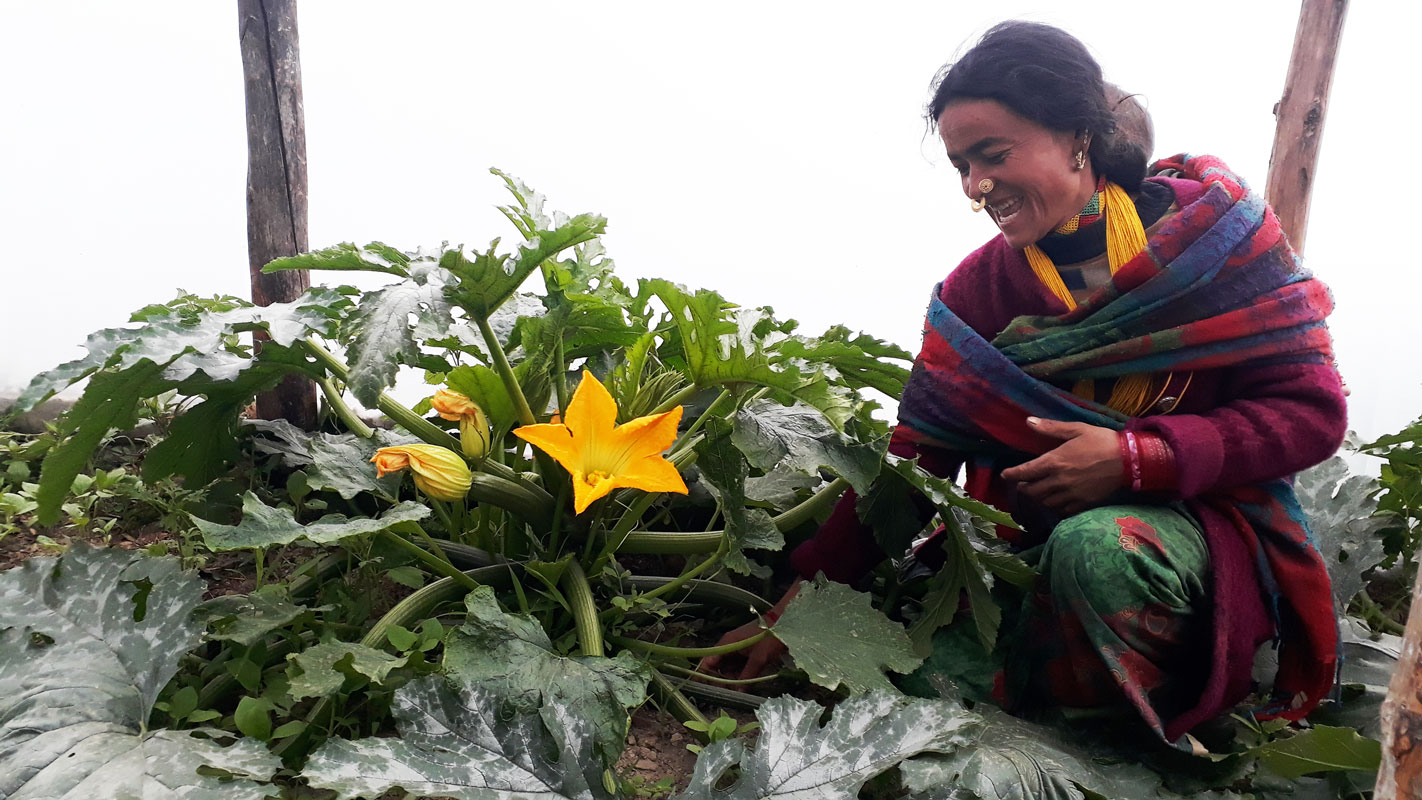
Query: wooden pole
[
  {"x": 1400, "y": 775},
  {"x": 1300, "y": 114},
  {"x": 276, "y": 177}
]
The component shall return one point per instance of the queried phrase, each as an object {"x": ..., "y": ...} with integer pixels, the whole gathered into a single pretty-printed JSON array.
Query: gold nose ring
[{"x": 984, "y": 187}]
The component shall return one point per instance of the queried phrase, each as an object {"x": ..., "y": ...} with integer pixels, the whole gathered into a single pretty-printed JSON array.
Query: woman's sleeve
[
  {"x": 844, "y": 548},
  {"x": 1280, "y": 419}
]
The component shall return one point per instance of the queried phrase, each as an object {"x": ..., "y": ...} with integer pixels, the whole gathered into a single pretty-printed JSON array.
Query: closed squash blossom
[{"x": 439, "y": 472}]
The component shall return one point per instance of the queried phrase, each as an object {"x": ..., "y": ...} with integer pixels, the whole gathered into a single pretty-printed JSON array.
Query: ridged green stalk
[
  {"x": 580, "y": 600},
  {"x": 506, "y": 374},
  {"x": 672, "y": 542},
  {"x": 675, "y": 702},
  {"x": 685, "y": 652},
  {"x": 343, "y": 411}
]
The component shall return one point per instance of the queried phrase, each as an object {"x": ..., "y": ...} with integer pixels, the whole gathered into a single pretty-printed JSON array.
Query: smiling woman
[{"x": 1134, "y": 368}]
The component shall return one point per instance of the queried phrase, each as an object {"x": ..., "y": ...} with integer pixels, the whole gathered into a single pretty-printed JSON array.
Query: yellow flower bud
[
  {"x": 473, "y": 425},
  {"x": 439, "y": 472}
]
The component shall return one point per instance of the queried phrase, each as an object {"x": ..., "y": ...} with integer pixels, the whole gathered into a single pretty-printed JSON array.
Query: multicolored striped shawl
[{"x": 1217, "y": 286}]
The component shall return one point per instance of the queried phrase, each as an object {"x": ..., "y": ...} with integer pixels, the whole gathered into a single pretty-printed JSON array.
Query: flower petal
[
  {"x": 555, "y": 440},
  {"x": 651, "y": 474},
  {"x": 390, "y": 459},
  {"x": 592, "y": 411},
  {"x": 586, "y": 492},
  {"x": 647, "y": 435}
]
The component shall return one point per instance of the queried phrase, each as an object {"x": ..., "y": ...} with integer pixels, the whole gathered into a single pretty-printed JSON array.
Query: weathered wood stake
[
  {"x": 276, "y": 177},
  {"x": 1400, "y": 776},
  {"x": 1301, "y": 113}
]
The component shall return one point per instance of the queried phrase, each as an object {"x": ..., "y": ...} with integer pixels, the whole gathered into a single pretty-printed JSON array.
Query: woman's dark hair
[{"x": 1046, "y": 75}]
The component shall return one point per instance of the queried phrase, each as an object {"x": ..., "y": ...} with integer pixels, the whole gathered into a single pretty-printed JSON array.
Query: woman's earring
[
  {"x": 1080, "y": 160},
  {"x": 984, "y": 187}
]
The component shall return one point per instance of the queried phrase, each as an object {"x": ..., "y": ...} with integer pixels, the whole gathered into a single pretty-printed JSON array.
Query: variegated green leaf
[
  {"x": 263, "y": 526},
  {"x": 384, "y": 328},
  {"x": 797, "y": 758},
  {"x": 323, "y": 668},
  {"x": 461, "y": 742},
  {"x": 724, "y": 467},
  {"x": 87, "y": 640},
  {"x": 799, "y": 437},
  {"x": 511, "y": 657}
]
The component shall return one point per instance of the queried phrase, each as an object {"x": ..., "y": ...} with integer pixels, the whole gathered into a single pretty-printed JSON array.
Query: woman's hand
[
  {"x": 1077, "y": 474},
  {"x": 761, "y": 657}
]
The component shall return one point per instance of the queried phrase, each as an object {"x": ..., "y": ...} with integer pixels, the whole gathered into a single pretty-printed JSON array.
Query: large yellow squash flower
[
  {"x": 473, "y": 425},
  {"x": 602, "y": 455},
  {"x": 439, "y": 472}
]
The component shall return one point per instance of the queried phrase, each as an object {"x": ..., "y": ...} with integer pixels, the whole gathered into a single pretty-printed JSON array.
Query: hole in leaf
[{"x": 141, "y": 590}]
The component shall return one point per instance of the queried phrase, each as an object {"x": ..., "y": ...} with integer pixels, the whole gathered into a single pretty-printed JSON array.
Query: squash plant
[{"x": 570, "y": 432}]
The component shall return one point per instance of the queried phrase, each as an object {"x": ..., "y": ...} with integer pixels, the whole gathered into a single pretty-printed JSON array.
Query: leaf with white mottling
[
  {"x": 836, "y": 636},
  {"x": 799, "y": 437},
  {"x": 797, "y": 758},
  {"x": 337, "y": 462},
  {"x": 1012, "y": 759},
  {"x": 264, "y": 526},
  {"x": 246, "y": 618},
  {"x": 724, "y": 467},
  {"x": 383, "y": 325},
  {"x": 80, "y": 668},
  {"x": 459, "y": 741},
  {"x": 1341, "y": 513},
  {"x": 324, "y": 667},
  {"x": 511, "y": 657}
]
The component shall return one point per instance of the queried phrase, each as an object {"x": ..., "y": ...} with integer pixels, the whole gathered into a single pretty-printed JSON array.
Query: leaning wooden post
[
  {"x": 1300, "y": 114},
  {"x": 276, "y": 177},
  {"x": 1400, "y": 775}
]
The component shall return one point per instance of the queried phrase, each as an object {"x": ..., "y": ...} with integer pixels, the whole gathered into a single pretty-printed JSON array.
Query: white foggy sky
[{"x": 771, "y": 151}]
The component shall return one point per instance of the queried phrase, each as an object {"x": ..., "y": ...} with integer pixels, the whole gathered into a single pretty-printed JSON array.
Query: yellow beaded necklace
[{"x": 1125, "y": 237}]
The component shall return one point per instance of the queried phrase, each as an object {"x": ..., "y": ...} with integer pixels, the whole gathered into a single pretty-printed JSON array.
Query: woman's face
[{"x": 1036, "y": 185}]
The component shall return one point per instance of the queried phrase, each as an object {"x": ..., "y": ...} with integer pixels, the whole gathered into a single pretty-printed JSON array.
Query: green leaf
[
  {"x": 253, "y": 717},
  {"x": 943, "y": 493},
  {"x": 780, "y": 487},
  {"x": 1011, "y": 759},
  {"x": 79, "y": 676},
  {"x": 1319, "y": 749},
  {"x": 858, "y": 362},
  {"x": 202, "y": 442},
  {"x": 724, "y": 468},
  {"x": 798, "y": 757},
  {"x": 325, "y": 667},
  {"x": 186, "y": 344},
  {"x": 412, "y": 577},
  {"x": 108, "y": 402},
  {"x": 263, "y": 526},
  {"x": 401, "y": 637},
  {"x": 511, "y": 657},
  {"x": 383, "y": 334},
  {"x": 722, "y": 348},
  {"x": 483, "y": 385},
  {"x": 799, "y": 437},
  {"x": 837, "y": 637},
  {"x": 247, "y": 618},
  {"x": 333, "y": 462},
  {"x": 462, "y": 742},
  {"x": 346, "y": 256},
  {"x": 490, "y": 278},
  {"x": 1341, "y": 510},
  {"x": 960, "y": 573}
]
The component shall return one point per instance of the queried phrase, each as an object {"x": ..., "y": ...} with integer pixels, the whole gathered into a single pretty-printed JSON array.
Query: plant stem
[
  {"x": 580, "y": 599},
  {"x": 691, "y": 673},
  {"x": 677, "y": 703},
  {"x": 677, "y": 399},
  {"x": 811, "y": 506},
  {"x": 414, "y": 423},
  {"x": 1375, "y": 616},
  {"x": 506, "y": 374},
  {"x": 338, "y": 405},
  {"x": 554, "y": 530},
  {"x": 440, "y": 566},
  {"x": 560, "y": 379},
  {"x": 685, "y": 652},
  {"x": 701, "y": 420},
  {"x": 681, "y": 580}
]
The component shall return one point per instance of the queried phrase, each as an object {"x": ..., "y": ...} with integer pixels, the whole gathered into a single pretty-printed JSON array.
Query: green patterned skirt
[{"x": 1116, "y": 626}]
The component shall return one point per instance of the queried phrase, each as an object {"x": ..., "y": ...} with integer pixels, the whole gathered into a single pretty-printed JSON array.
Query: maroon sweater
[{"x": 1232, "y": 427}]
